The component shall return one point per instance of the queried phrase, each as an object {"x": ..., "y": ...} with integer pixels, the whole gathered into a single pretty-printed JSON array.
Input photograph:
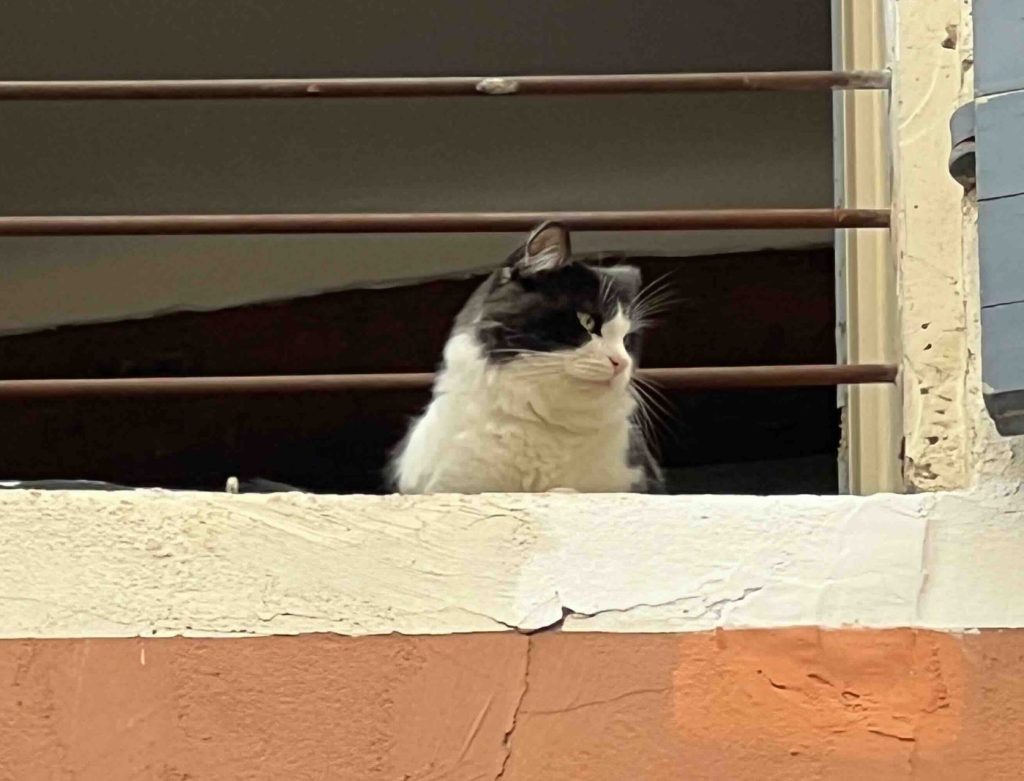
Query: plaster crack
[
  {"x": 628, "y": 608},
  {"x": 515, "y": 627},
  {"x": 715, "y": 607},
  {"x": 894, "y": 736},
  {"x": 719, "y": 605},
  {"x": 923, "y": 585},
  {"x": 912, "y": 754},
  {"x": 592, "y": 703},
  {"x": 509, "y": 733}
]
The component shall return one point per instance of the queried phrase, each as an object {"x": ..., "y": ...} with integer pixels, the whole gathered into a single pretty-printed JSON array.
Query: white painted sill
[{"x": 92, "y": 564}]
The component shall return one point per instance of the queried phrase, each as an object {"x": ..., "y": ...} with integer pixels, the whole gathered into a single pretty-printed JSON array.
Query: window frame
[
  {"x": 869, "y": 457},
  {"x": 866, "y": 306}
]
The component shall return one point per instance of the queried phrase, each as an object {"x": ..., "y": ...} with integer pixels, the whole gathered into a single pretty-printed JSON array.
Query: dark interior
[
  {"x": 742, "y": 309},
  {"x": 93, "y": 307}
]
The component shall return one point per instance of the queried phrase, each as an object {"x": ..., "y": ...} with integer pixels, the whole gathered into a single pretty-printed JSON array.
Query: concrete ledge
[{"x": 152, "y": 563}]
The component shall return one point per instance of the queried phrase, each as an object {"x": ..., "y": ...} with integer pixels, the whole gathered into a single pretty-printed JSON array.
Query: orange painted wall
[{"x": 732, "y": 705}]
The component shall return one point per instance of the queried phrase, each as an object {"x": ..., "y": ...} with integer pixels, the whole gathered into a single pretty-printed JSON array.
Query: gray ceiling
[
  {"x": 613, "y": 152},
  {"x": 65, "y": 39}
]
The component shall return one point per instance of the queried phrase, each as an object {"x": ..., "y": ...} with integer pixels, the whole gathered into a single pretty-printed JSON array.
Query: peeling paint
[{"x": 152, "y": 563}]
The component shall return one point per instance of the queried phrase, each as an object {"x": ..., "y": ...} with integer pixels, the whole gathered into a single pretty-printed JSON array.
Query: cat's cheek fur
[
  {"x": 517, "y": 428},
  {"x": 596, "y": 360}
]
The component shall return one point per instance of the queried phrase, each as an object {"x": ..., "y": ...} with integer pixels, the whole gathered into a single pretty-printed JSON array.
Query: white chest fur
[{"x": 517, "y": 428}]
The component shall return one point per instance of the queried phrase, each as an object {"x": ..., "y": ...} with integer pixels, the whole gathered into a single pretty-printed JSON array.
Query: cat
[{"x": 536, "y": 392}]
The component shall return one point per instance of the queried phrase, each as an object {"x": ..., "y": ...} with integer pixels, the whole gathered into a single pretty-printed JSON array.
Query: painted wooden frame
[{"x": 866, "y": 329}]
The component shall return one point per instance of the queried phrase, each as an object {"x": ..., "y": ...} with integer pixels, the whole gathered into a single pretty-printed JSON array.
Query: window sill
[{"x": 92, "y": 564}]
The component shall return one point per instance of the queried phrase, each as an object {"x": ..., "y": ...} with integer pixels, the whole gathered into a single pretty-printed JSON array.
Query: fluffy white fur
[{"x": 541, "y": 422}]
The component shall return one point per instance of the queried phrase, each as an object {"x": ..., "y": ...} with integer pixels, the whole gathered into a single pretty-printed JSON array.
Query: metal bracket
[{"x": 962, "y": 160}]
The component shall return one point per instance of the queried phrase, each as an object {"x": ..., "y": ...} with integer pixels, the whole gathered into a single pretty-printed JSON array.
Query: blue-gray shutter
[{"x": 988, "y": 152}]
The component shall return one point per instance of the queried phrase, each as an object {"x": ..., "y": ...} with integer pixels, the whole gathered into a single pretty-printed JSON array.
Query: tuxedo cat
[{"x": 537, "y": 390}]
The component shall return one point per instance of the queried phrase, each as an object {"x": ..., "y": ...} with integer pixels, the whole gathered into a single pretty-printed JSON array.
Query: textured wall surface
[
  {"x": 761, "y": 705},
  {"x": 84, "y": 564},
  {"x": 927, "y": 235}
]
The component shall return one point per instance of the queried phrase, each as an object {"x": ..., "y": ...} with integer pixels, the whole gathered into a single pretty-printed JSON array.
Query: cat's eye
[{"x": 587, "y": 321}]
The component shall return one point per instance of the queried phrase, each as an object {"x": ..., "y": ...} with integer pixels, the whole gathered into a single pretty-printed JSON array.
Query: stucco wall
[
  {"x": 554, "y": 636},
  {"x": 158, "y": 563},
  {"x": 761, "y": 705}
]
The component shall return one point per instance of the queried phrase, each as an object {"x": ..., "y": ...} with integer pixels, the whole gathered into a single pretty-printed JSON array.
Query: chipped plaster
[
  {"x": 84, "y": 564},
  {"x": 928, "y": 235}
]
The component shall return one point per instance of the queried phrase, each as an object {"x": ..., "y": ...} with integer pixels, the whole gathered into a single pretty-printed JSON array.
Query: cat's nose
[{"x": 618, "y": 366}]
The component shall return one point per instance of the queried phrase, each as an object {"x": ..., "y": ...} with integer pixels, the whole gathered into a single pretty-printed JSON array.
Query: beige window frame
[{"x": 866, "y": 306}]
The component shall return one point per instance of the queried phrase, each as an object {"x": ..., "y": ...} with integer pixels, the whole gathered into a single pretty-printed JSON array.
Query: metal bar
[
  {"x": 804, "y": 375},
  {"x": 450, "y": 222},
  {"x": 444, "y": 86},
  {"x": 688, "y": 378}
]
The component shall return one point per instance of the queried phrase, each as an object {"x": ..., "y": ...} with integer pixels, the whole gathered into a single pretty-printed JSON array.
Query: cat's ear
[{"x": 547, "y": 248}]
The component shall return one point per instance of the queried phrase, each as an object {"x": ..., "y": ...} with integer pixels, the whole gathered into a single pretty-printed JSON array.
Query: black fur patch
[{"x": 516, "y": 311}]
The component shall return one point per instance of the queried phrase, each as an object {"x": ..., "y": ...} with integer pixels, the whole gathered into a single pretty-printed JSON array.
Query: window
[{"x": 311, "y": 304}]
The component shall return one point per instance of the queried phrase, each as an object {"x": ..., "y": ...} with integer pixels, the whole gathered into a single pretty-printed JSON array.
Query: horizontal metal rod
[
  {"x": 688, "y": 378},
  {"x": 442, "y": 86},
  {"x": 441, "y": 222}
]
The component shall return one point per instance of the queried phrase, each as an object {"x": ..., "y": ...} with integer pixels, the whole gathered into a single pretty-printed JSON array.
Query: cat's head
[{"x": 556, "y": 315}]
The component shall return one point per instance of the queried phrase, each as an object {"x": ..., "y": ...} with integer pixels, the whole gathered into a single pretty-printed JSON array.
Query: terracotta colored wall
[{"x": 724, "y": 706}]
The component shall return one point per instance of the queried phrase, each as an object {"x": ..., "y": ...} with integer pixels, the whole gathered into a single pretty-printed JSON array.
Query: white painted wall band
[{"x": 84, "y": 564}]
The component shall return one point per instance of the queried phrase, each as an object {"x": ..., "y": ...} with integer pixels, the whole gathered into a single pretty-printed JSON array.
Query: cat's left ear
[{"x": 547, "y": 248}]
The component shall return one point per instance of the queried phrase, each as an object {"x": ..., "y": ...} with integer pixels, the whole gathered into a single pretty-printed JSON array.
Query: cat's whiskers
[
  {"x": 520, "y": 351},
  {"x": 655, "y": 286},
  {"x": 548, "y": 370},
  {"x": 654, "y": 298},
  {"x": 605, "y": 292},
  {"x": 540, "y": 364},
  {"x": 654, "y": 307},
  {"x": 656, "y": 394},
  {"x": 642, "y": 416},
  {"x": 653, "y": 405}
]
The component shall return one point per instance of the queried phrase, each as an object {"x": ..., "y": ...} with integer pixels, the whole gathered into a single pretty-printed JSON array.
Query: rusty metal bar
[
  {"x": 441, "y": 222},
  {"x": 444, "y": 86},
  {"x": 688, "y": 378},
  {"x": 803, "y": 375}
]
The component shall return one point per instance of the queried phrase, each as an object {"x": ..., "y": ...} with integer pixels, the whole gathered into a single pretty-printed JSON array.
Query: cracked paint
[{"x": 85, "y": 564}]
